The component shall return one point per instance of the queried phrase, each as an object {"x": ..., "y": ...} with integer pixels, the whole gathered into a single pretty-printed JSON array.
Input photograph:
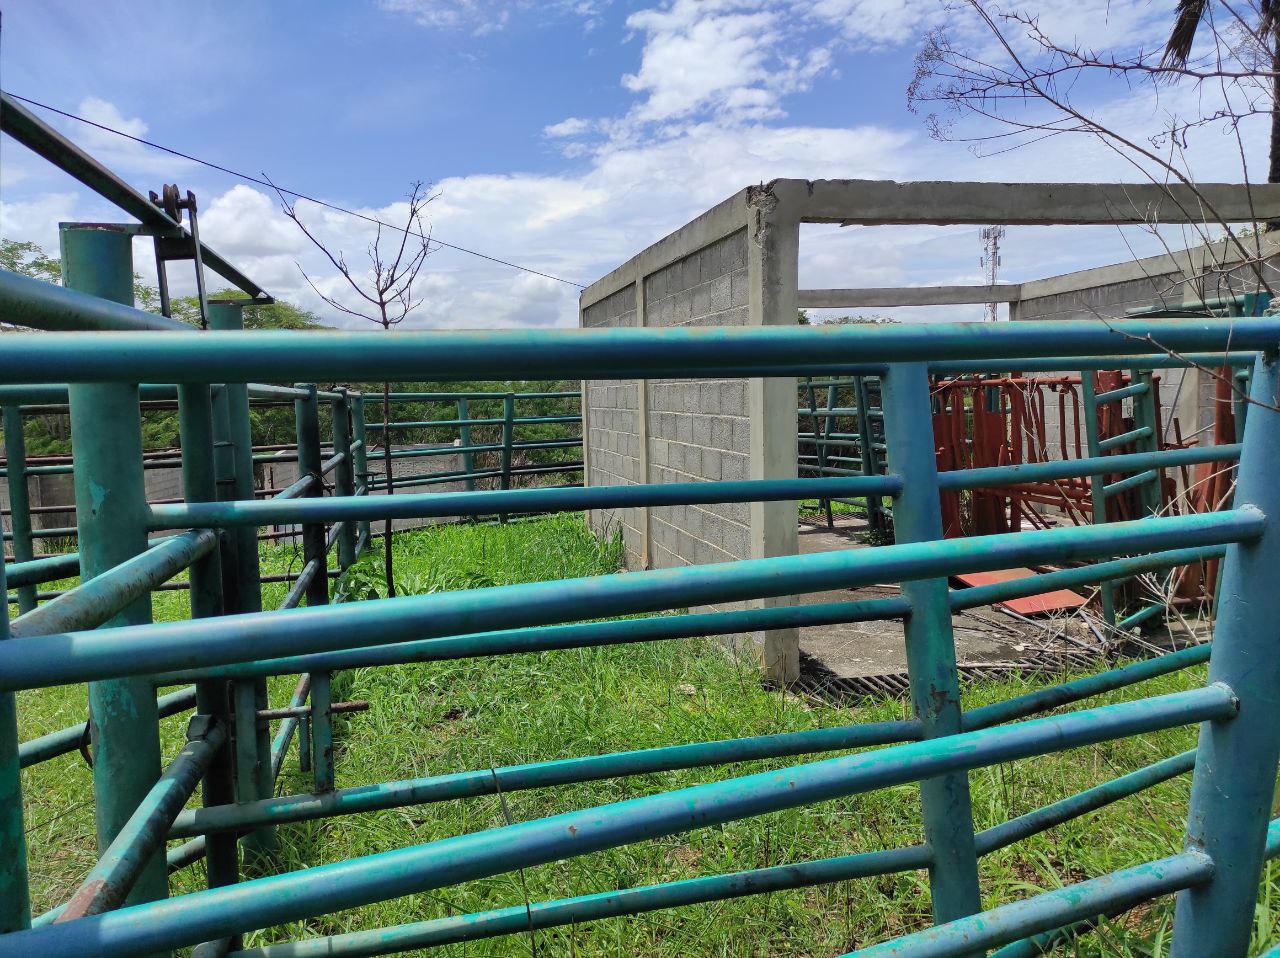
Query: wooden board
[{"x": 1054, "y": 600}]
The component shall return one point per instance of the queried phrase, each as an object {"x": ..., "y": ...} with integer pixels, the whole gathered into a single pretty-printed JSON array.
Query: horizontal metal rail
[
  {"x": 67, "y": 740},
  {"x": 374, "y": 399},
  {"x": 1122, "y": 889},
  {"x": 454, "y": 423},
  {"x": 632, "y": 901},
  {"x": 218, "y": 514},
  {"x": 559, "y": 353},
  {"x": 95, "y": 601},
  {"x": 138, "y": 650},
  {"x": 279, "y": 899},
  {"x": 433, "y": 505},
  {"x": 1124, "y": 392},
  {"x": 515, "y": 778},
  {"x": 1124, "y": 439},
  {"x": 626, "y": 631}
]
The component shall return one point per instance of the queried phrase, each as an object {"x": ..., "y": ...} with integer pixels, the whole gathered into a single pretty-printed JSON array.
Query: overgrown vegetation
[{"x": 449, "y": 716}]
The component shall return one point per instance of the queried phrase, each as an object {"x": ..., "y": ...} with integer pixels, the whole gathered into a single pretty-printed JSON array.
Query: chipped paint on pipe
[
  {"x": 1121, "y": 889},
  {"x": 139, "y": 650},
  {"x": 111, "y": 879},
  {"x": 516, "y": 778},
  {"x": 95, "y": 601},
  {"x": 313, "y": 891}
]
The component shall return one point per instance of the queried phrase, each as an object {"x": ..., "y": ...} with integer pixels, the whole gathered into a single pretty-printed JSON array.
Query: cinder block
[
  {"x": 736, "y": 540},
  {"x": 733, "y": 468},
  {"x": 711, "y": 463},
  {"x": 709, "y": 399},
  {"x": 701, "y": 301},
  {"x": 702, "y": 429},
  {"x": 684, "y": 428},
  {"x": 735, "y": 251},
  {"x": 734, "y": 393},
  {"x": 721, "y": 293}
]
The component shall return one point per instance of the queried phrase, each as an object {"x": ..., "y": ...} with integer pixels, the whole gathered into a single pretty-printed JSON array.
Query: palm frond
[{"x": 1183, "y": 35}]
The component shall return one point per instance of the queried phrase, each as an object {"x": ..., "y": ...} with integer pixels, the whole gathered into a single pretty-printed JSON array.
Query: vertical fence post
[
  {"x": 15, "y": 453},
  {"x": 234, "y": 432},
  {"x": 931, "y": 651},
  {"x": 1088, "y": 397},
  {"x": 358, "y": 434},
  {"x": 313, "y": 550},
  {"x": 106, "y": 434},
  {"x": 464, "y": 437},
  {"x": 819, "y": 446},
  {"x": 344, "y": 476},
  {"x": 1235, "y": 774},
  {"x": 200, "y": 484},
  {"x": 322, "y": 731},
  {"x": 828, "y": 430},
  {"x": 15, "y": 902},
  {"x": 1145, "y": 413},
  {"x": 508, "y": 428},
  {"x": 867, "y": 453},
  {"x": 309, "y": 464}
]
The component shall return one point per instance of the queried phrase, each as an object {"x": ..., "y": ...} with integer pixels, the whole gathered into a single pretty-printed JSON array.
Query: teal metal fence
[{"x": 100, "y": 633}]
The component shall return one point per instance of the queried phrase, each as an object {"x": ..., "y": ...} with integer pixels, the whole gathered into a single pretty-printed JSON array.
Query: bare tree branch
[{"x": 388, "y": 289}]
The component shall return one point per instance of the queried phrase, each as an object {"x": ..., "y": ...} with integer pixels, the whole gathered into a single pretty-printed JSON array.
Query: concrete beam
[
  {"x": 885, "y": 202},
  {"x": 1193, "y": 262},
  {"x": 907, "y": 296},
  {"x": 716, "y": 223}
]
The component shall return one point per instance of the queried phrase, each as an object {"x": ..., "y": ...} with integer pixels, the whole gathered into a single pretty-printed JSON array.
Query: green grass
[{"x": 450, "y": 716}]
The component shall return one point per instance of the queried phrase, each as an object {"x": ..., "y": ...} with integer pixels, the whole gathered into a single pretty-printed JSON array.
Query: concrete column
[{"x": 773, "y": 245}]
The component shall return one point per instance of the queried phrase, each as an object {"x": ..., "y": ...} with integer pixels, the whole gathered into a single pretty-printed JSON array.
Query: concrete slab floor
[{"x": 984, "y": 636}]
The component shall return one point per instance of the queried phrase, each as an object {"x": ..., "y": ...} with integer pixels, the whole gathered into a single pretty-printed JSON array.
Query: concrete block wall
[
  {"x": 675, "y": 430},
  {"x": 1108, "y": 291},
  {"x": 700, "y": 429},
  {"x": 735, "y": 265},
  {"x": 612, "y": 416}
]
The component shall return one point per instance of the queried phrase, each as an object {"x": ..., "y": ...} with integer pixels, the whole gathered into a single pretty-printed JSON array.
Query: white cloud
[
  {"x": 120, "y": 154},
  {"x": 735, "y": 59},
  {"x": 573, "y": 126},
  {"x": 36, "y": 219},
  {"x": 874, "y": 23},
  {"x": 710, "y": 82},
  {"x": 488, "y": 16}
]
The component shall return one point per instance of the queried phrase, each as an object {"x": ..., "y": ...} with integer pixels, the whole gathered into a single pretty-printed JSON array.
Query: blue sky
[{"x": 565, "y": 134}]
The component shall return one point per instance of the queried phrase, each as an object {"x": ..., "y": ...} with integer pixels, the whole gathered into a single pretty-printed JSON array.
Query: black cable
[{"x": 296, "y": 195}]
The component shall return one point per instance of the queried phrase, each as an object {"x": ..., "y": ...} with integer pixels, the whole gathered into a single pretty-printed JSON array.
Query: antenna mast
[{"x": 991, "y": 237}]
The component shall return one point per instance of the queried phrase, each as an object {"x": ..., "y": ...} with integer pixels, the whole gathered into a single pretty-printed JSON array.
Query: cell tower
[{"x": 991, "y": 237}]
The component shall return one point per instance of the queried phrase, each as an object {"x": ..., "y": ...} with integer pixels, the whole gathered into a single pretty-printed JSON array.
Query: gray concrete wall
[
  {"x": 700, "y": 429},
  {"x": 724, "y": 269},
  {"x": 611, "y": 418},
  {"x": 1188, "y": 276}
]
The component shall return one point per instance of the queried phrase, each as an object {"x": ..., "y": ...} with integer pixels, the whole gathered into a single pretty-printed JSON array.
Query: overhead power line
[{"x": 261, "y": 181}]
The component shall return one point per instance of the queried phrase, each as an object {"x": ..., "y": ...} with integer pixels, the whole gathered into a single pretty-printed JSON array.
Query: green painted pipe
[
  {"x": 347, "y": 884},
  {"x": 79, "y": 656}
]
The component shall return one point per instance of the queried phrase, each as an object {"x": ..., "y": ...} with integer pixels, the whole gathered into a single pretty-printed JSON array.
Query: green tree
[
  {"x": 29, "y": 259},
  {"x": 277, "y": 315},
  {"x": 50, "y": 435}
]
